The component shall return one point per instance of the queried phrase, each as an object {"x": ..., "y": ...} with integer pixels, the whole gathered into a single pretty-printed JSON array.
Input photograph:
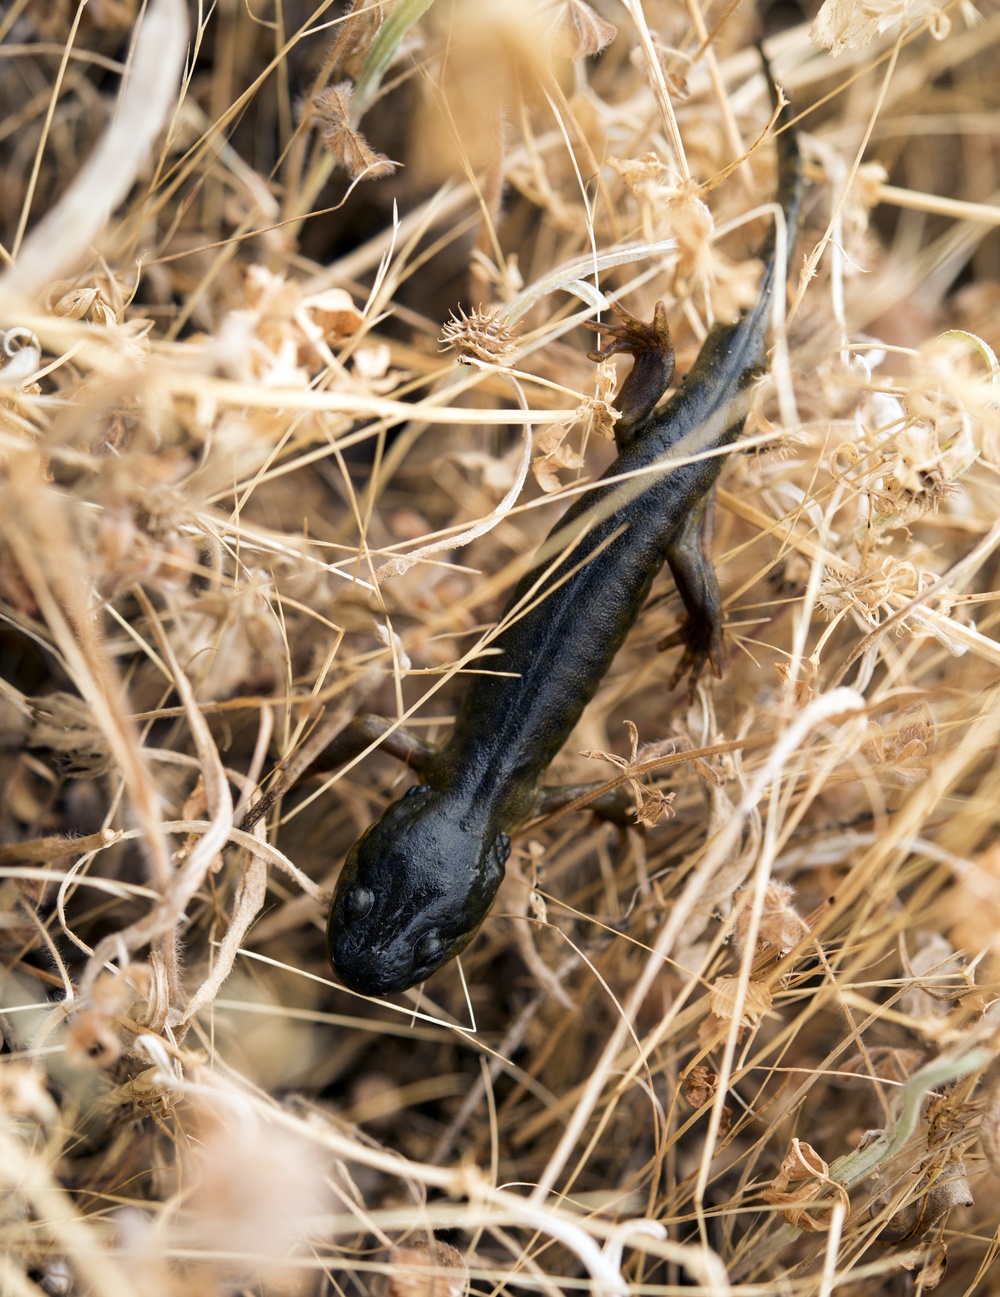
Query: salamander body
[{"x": 417, "y": 885}]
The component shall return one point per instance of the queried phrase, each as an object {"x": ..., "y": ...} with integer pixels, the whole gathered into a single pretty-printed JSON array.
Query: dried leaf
[
  {"x": 931, "y": 1266},
  {"x": 546, "y": 467},
  {"x": 850, "y": 25},
  {"x": 335, "y": 313}
]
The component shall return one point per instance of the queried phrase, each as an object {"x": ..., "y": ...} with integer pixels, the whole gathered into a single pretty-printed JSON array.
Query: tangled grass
[{"x": 744, "y": 1046}]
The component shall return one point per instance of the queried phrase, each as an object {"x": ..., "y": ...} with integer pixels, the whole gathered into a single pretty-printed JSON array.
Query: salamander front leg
[
  {"x": 617, "y": 805},
  {"x": 701, "y": 630},
  {"x": 652, "y": 347}
]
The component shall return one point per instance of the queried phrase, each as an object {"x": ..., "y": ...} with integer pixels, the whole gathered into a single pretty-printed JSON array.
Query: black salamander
[{"x": 417, "y": 885}]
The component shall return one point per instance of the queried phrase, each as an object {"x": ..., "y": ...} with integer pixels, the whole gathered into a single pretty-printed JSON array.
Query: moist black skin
[{"x": 418, "y": 884}]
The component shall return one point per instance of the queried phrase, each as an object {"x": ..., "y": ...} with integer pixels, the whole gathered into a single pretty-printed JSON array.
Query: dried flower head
[
  {"x": 480, "y": 336},
  {"x": 919, "y": 474},
  {"x": 873, "y": 587},
  {"x": 901, "y": 752},
  {"x": 701, "y": 1086},
  {"x": 781, "y": 925},
  {"x": 651, "y": 804},
  {"x": 599, "y": 412}
]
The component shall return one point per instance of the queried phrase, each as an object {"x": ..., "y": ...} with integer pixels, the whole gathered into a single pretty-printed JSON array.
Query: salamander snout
[{"x": 413, "y": 891}]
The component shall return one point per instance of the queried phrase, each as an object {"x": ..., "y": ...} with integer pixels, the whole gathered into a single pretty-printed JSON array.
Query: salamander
[{"x": 418, "y": 884}]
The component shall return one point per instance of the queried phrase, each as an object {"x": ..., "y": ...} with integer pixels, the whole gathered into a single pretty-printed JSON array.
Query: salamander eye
[
  {"x": 428, "y": 951},
  {"x": 416, "y": 788},
  {"x": 357, "y": 903}
]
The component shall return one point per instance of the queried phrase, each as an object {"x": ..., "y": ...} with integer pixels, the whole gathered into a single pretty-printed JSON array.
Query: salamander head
[{"x": 413, "y": 891}]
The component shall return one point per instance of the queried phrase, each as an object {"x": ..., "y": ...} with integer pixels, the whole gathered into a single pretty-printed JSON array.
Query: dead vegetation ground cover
[{"x": 246, "y": 495}]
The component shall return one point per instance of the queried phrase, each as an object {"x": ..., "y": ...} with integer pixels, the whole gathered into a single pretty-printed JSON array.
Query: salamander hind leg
[
  {"x": 701, "y": 628},
  {"x": 653, "y": 349}
]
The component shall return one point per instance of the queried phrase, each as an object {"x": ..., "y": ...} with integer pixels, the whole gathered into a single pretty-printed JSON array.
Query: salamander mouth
[{"x": 369, "y": 968}]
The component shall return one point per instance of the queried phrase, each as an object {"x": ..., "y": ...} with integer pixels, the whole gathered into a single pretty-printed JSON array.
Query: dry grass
[{"x": 227, "y": 424}]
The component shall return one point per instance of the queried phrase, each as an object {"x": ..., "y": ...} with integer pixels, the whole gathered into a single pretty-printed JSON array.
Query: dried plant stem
[{"x": 64, "y": 236}]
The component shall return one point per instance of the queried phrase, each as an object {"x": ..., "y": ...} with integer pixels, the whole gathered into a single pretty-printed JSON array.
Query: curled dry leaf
[
  {"x": 711, "y": 1030},
  {"x": 794, "y": 1207},
  {"x": 700, "y": 1088},
  {"x": 931, "y": 1265},
  {"x": 20, "y": 357},
  {"x": 582, "y": 32},
  {"x": 802, "y": 1162},
  {"x": 345, "y": 144}
]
